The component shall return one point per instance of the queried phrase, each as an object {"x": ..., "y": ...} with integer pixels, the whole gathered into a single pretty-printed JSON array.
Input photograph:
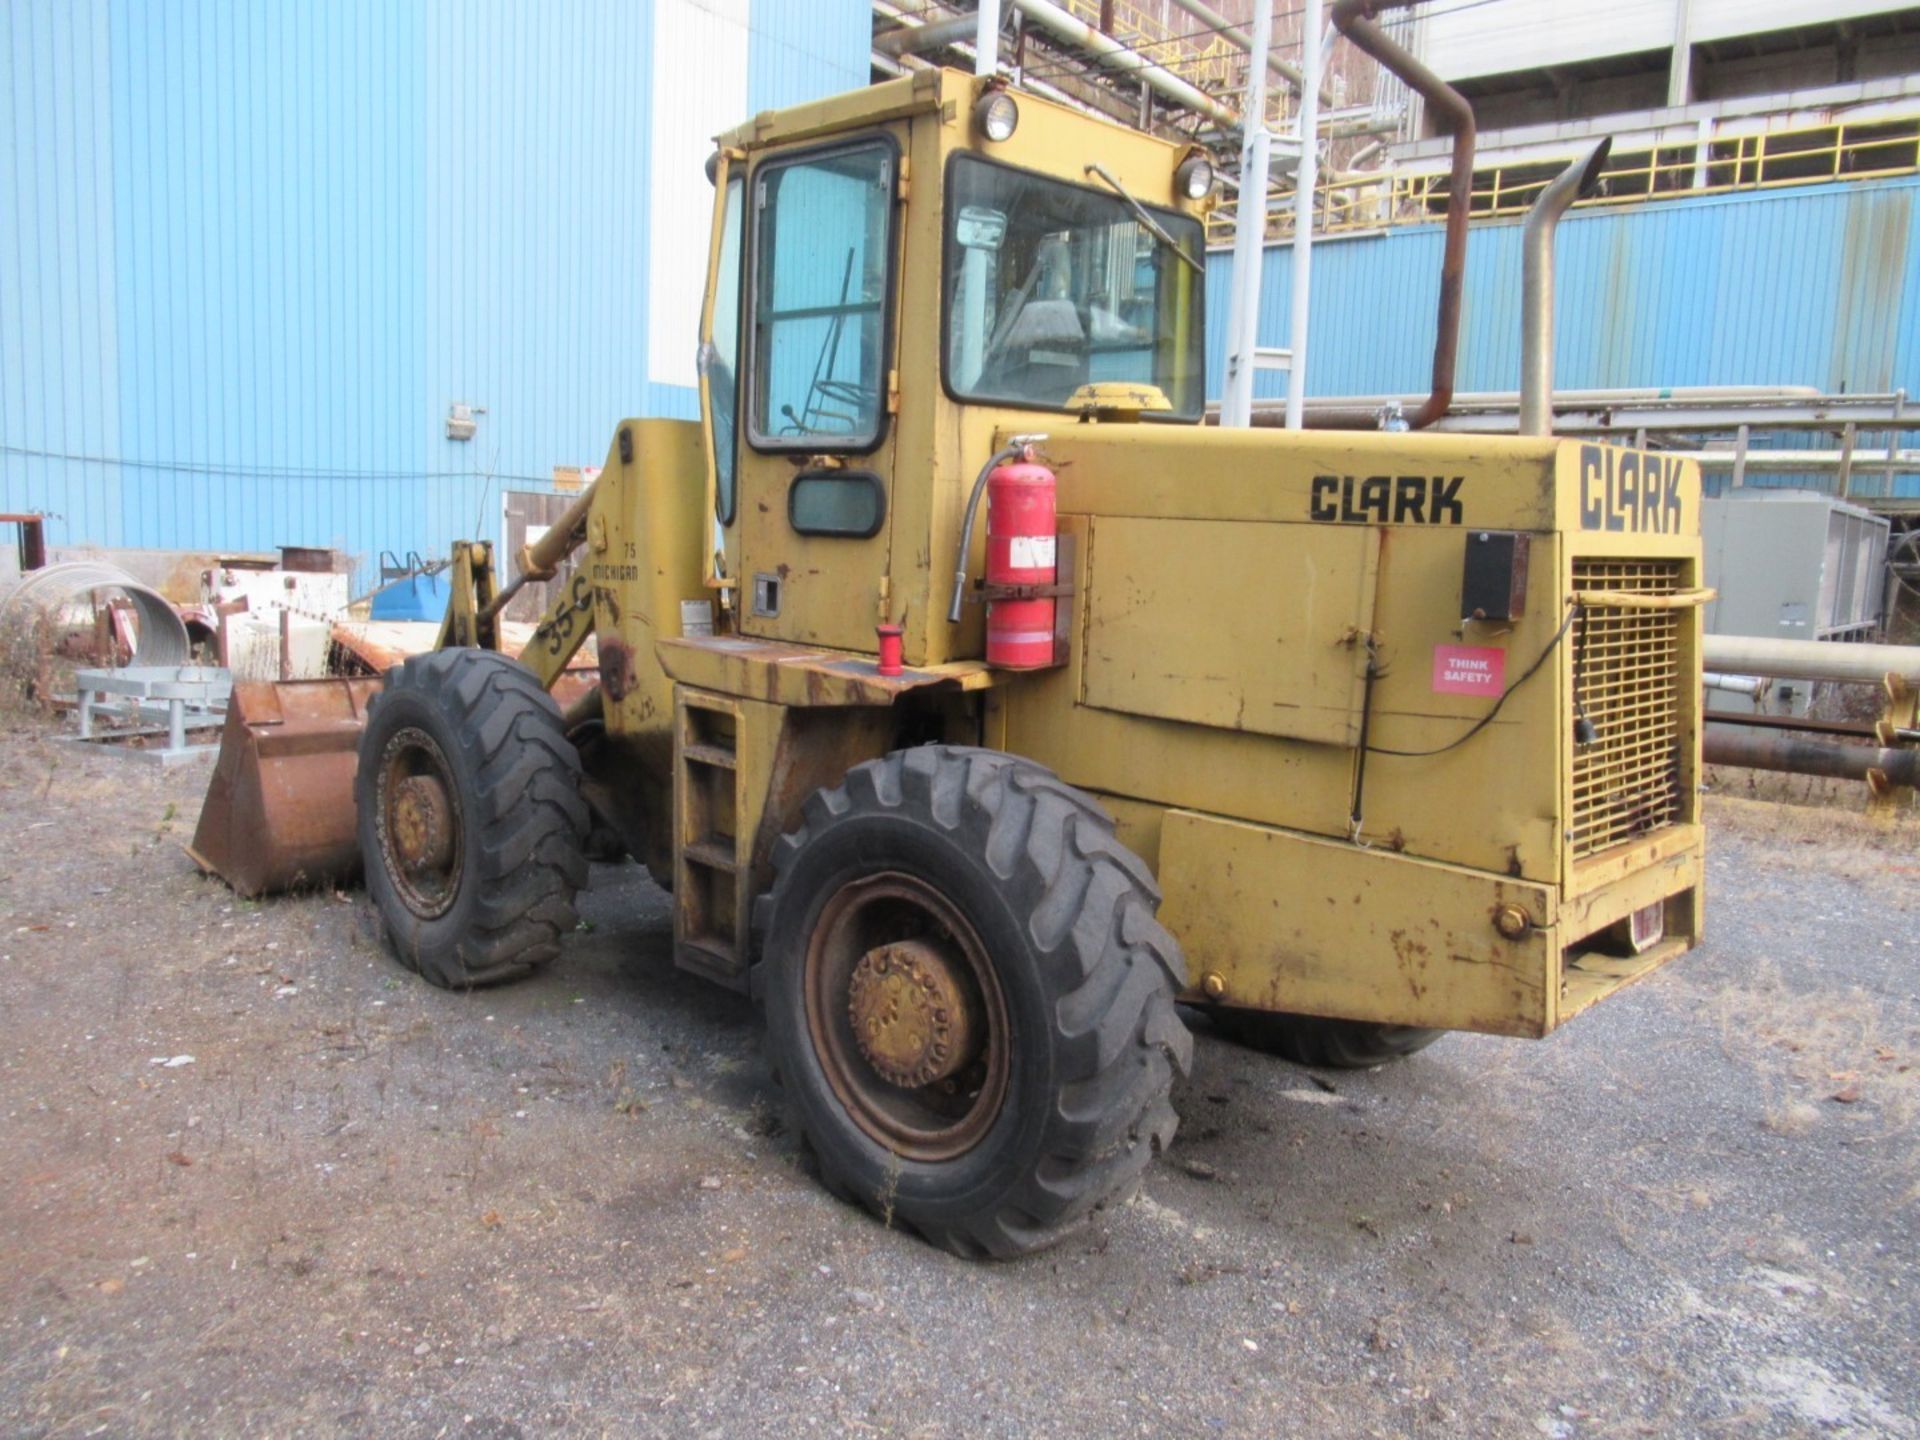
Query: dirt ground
[{"x": 257, "y": 1180}]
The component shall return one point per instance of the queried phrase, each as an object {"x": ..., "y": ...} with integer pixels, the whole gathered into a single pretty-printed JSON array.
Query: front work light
[
  {"x": 1194, "y": 177},
  {"x": 996, "y": 116}
]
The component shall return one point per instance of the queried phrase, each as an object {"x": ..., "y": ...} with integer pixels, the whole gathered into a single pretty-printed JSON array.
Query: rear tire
[
  {"x": 470, "y": 819},
  {"x": 1320, "y": 1043},
  {"x": 1033, "y": 928}
]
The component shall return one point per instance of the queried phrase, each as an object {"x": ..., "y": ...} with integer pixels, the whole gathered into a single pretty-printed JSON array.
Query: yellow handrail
[{"x": 1808, "y": 155}]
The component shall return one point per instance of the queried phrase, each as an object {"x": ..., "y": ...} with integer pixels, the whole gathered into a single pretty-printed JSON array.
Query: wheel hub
[
  {"x": 422, "y": 823},
  {"x": 906, "y": 1016},
  {"x": 911, "y": 1015},
  {"x": 417, "y": 811}
]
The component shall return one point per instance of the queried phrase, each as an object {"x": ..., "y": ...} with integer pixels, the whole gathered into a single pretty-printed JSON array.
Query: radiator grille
[{"x": 1627, "y": 782}]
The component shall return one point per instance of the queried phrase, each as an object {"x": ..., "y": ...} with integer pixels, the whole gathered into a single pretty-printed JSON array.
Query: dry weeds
[
  {"x": 1812, "y": 823},
  {"x": 1817, "y": 1052}
]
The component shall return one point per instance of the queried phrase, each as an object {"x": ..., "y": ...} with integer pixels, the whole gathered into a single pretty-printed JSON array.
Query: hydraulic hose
[{"x": 1015, "y": 447}]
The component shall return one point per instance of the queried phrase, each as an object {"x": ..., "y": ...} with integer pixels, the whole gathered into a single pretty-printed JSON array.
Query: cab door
[{"x": 816, "y": 458}]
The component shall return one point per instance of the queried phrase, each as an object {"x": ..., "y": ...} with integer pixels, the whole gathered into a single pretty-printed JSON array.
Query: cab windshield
[{"x": 1051, "y": 286}]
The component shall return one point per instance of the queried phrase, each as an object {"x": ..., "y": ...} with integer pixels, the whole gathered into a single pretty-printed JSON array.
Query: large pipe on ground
[
  {"x": 1756, "y": 750},
  {"x": 1576, "y": 182},
  {"x": 37, "y": 599},
  {"x": 1811, "y": 659},
  {"x": 1354, "y": 19}
]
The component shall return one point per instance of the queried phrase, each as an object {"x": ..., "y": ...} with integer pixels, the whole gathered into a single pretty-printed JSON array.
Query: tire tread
[
  {"x": 1112, "y": 968},
  {"x": 530, "y": 859}
]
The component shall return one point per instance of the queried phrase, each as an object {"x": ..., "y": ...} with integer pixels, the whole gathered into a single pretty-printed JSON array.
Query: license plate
[{"x": 1648, "y": 927}]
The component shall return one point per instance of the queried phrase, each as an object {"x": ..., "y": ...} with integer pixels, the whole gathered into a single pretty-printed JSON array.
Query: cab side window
[
  {"x": 723, "y": 364},
  {"x": 821, "y": 276}
]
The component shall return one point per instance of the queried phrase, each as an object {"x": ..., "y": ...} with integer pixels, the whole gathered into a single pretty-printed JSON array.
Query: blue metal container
[{"x": 414, "y": 597}]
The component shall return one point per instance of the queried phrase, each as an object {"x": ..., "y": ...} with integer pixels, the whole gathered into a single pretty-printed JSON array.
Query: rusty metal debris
[{"x": 33, "y": 538}]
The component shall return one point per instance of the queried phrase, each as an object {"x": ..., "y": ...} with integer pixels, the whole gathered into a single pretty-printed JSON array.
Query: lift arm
[{"x": 474, "y": 606}]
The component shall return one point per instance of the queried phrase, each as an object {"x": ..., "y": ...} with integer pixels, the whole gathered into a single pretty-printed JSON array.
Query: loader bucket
[{"x": 279, "y": 810}]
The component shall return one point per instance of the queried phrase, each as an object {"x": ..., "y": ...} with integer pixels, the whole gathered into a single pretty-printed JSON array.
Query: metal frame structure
[{"x": 153, "y": 700}]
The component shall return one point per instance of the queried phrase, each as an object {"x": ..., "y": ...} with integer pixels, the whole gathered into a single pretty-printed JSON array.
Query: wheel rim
[
  {"x": 418, "y": 814},
  {"x": 907, "y": 1017}
]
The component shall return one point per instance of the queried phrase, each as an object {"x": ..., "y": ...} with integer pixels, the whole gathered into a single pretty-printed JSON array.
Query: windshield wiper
[{"x": 1154, "y": 227}]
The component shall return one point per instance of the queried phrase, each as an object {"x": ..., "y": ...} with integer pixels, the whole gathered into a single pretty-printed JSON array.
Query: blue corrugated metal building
[
  {"x": 250, "y": 254},
  {"x": 1816, "y": 285}
]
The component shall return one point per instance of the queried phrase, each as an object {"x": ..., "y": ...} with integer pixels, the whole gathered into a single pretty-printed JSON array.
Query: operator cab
[{"x": 890, "y": 288}]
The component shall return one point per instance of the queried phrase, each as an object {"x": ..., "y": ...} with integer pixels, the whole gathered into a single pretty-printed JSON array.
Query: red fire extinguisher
[{"x": 1020, "y": 553}]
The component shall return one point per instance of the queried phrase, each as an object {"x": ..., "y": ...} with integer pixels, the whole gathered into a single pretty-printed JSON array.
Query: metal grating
[{"x": 1627, "y": 782}]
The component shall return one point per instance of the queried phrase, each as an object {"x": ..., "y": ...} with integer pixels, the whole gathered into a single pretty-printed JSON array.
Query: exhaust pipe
[
  {"x": 1354, "y": 19},
  {"x": 1576, "y": 182}
]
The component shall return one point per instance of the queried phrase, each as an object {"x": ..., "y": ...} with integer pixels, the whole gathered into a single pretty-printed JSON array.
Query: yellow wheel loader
[{"x": 1344, "y": 736}]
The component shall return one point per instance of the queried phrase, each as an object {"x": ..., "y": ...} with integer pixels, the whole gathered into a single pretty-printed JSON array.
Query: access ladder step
[
  {"x": 714, "y": 854},
  {"x": 710, "y": 899}
]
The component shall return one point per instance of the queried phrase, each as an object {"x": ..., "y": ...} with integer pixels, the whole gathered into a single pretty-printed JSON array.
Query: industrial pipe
[
  {"x": 1795, "y": 462},
  {"x": 986, "y": 38},
  {"x": 913, "y": 39},
  {"x": 1076, "y": 31},
  {"x": 1576, "y": 182},
  {"x": 1758, "y": 719},
  {"x": 1491, "y": 403},
  {"x": 1811, "y": 659},
  {"x": 1302, "y": 277},
  {"x": 1359, "y": 158},
  {"x": 1667, "y": 396},
  {"x": 1231, "y": 32},
  {"x": 1753, "y": 750},
  {"x": 33, "y": 539},
  {"x": 1751, "y": 686},
  {"x": 1249, "y": 237},
  {"x": 1354, "y": 19}
]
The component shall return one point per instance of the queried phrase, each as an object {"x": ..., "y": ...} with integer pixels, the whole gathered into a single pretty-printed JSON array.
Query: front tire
[
  {"x": 470, "y": 818},
  {"x": 969, "y": 1001}
]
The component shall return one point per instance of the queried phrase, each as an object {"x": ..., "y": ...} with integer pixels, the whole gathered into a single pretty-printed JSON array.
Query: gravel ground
[{"x": 363, "y": 1206}]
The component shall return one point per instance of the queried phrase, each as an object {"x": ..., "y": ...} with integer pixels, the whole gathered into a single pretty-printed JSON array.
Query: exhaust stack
[
  {"x": 1576, "y": 182},
  {"x": 1453, "y": 112}
]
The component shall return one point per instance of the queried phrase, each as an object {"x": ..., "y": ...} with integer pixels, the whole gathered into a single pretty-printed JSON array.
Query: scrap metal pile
[{"x": 152, "y": 652}]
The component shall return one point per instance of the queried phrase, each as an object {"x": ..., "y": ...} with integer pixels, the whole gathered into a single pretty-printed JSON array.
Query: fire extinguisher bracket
[
  {"x": 1063, "y": 588},
  {"x": 988, "y": 593}
]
